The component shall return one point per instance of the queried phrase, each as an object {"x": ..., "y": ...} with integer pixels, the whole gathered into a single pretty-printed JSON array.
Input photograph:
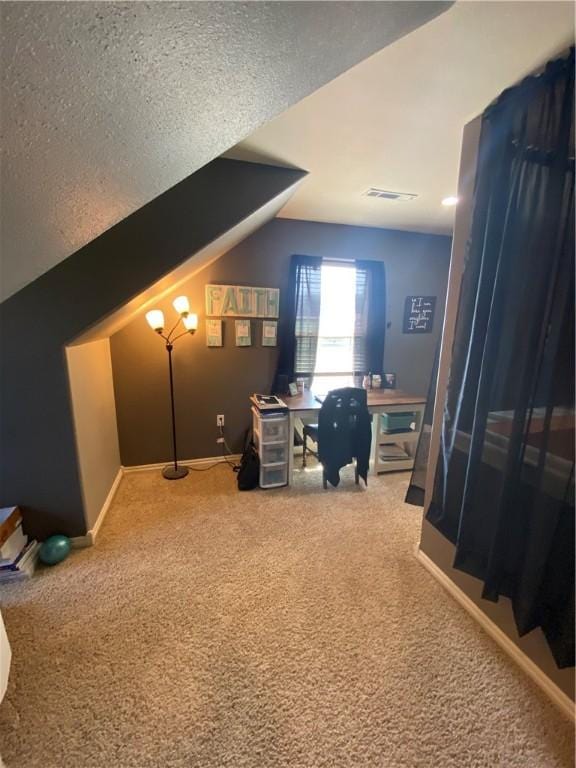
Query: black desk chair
[
  {"x": 309, "y": 431},
  {"x": 344, "y": 434}
]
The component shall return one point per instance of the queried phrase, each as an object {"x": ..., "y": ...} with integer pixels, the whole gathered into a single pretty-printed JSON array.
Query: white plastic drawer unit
[
  {"x": 273, "y": 476},
  {"x": 271, "y": 429},
  {"x": 273, "y": 453}
]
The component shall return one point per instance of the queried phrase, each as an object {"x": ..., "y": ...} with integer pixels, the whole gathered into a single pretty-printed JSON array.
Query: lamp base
[{"x": 174, "y": 474}]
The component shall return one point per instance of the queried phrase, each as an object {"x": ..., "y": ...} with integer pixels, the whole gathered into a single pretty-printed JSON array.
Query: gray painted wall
[
  {"x": 212, "y": 380},
  {"x": 534, "y": 644},
  {"x": 39, "y": 468}
]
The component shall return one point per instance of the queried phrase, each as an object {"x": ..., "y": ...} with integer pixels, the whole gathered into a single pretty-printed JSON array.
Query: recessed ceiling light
[{"x": 450, "y": 201}]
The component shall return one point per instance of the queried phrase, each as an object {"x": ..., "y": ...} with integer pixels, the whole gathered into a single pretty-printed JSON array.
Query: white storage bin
[
  {"x": 274, "y": 430},
  {"x": 270, "y": 429},
  {"x": 273, "y": 453},
  {"x": 273, "y": 476}
]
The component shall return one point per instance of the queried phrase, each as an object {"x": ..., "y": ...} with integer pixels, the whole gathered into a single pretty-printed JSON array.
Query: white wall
[{"x": 94, "y": 409}]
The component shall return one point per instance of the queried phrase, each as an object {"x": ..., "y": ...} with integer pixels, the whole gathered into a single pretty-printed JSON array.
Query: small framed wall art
[
  {"x": 269, "y": 333},
  {"x": 243, "y": 338},
  {"x": 213, "y": 333},
  {"x": 419, "y": 314}
]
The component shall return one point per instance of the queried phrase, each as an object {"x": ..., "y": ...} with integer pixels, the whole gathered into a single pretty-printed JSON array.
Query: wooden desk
[{"x": 379, "y": 401}]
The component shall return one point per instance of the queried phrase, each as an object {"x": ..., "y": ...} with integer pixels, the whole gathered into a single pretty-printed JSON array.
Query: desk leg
[
  {"x": 374, "y": 447},
  {"x": 291, "y": 428}
]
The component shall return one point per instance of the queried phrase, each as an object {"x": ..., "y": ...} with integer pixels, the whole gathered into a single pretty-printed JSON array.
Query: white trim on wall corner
[
  {"x": 235, "y": 457},
  {"x": 89, "y": 539},
  {"x": 557, "y": 696}
]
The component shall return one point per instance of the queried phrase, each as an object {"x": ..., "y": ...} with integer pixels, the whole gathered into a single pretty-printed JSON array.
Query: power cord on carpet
[{"x": 225, "y": 447}]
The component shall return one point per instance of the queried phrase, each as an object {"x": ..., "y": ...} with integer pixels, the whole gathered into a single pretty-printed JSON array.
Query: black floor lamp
[{"x": 155, "y": 320}]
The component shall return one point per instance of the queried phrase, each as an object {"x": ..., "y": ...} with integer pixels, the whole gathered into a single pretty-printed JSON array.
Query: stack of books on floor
[{"x": 18, "y": 556}]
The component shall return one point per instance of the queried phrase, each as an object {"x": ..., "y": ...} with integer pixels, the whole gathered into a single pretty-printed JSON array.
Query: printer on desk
[{"x": 269, "y": 404}]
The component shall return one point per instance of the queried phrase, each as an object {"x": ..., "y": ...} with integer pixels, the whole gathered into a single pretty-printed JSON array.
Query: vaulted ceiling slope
[
  {"x": 104, "y": 106},
  {"x": 395, "y": 120}
]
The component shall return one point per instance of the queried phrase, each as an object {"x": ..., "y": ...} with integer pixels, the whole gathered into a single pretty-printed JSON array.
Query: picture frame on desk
[
  {"x": 388, "y": 381},
  {"x": 293, "y": 389}
]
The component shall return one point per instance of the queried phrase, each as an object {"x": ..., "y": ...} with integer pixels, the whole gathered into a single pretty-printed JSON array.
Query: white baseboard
[
  {"x": 89, "y": 539},
  {"x": 557, "y": 696},
  {"x": 235, "y": 458}
]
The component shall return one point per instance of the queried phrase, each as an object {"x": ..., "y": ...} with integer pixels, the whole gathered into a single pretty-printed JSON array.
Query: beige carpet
[{"x": 272, "y": 628}]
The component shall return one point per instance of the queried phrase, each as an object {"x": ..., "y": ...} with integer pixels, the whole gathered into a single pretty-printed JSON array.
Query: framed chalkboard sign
[{"x": 419, "y": 314}]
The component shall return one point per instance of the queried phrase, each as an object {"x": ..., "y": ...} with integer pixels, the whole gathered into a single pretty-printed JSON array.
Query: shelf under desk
[{"x": 379, "y": 401}]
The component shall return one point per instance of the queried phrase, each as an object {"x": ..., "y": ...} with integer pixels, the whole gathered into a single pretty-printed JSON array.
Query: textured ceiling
[
  {"x": 104, "y": 106},
  {"x": 395, "y": 120}
]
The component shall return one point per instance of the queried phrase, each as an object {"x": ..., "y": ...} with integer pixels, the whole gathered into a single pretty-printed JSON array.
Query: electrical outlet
[
  {"x": 220, "y": 420},
  {"x": 219, "y": 439}
]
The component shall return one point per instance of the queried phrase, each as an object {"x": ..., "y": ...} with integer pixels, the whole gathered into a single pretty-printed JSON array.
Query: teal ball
[{"x": 55, "y": 549}]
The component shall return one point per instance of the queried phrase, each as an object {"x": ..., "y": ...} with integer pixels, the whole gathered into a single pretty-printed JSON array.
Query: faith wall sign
[{"x": 241, "y": 301}]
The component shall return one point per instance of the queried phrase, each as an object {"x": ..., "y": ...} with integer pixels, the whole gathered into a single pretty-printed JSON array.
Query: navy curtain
[
  {"x": 299, "y": 322},
  {"x": 504, "y": 485},
  {"x": 370, "y": 321}
]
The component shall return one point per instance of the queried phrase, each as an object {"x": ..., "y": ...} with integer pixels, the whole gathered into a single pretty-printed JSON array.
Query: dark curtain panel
[
  {"x": 299, "y": 321},
  {"x": 504, "y": 486},
  {"x": 370, "y": 321},
  {"x": 415, "y": 493}
]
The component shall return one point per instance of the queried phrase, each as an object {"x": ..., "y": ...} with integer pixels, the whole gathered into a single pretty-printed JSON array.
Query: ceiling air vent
[{"x": 386, "y": 194}]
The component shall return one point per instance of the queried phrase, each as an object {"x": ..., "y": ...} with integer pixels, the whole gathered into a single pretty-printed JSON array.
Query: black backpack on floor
[{"x": 249, "y": 469}]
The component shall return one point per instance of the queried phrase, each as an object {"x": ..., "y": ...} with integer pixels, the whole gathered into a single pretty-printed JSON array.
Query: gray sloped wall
[{"x": 40, "y": 468}]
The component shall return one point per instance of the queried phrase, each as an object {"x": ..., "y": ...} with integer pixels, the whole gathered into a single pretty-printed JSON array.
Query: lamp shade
[
  {"x": 155, "y": 319},
  {"x": 190, "y": 322},
  {"x": 181, "y": 305}
]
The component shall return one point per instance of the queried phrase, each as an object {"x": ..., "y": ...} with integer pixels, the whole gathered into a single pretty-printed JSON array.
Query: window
[
  {"x": 335, "y": 321},
  {"x": 335, "y": 352}
]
